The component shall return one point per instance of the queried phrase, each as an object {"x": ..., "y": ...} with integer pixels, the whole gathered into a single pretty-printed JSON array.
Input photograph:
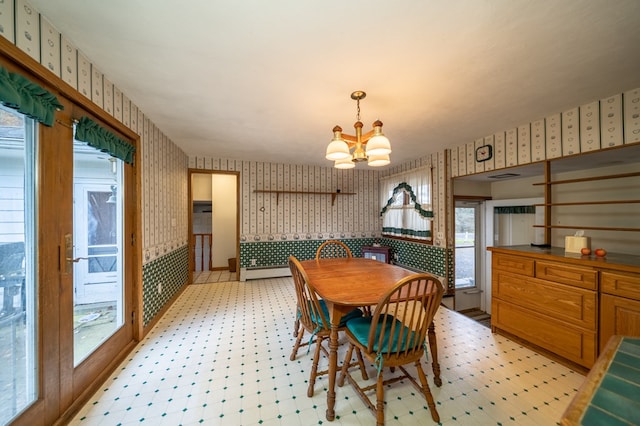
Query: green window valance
[
  {"x": 102, "y": 139},
  {"x": 403, "y": 186},
  {"x": 30, "y": 99}
]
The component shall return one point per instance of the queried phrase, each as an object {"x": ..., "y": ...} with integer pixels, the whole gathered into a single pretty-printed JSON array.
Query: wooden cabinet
[
  {"x": 549, "y": 304},
  {"x": 619, "y": 305},
  {"x": 567, "y": 304},
  {"x": 379, "y": 253}
]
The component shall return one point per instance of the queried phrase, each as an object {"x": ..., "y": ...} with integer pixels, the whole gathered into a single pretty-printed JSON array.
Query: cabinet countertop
[{"x": 614, "y": 261}]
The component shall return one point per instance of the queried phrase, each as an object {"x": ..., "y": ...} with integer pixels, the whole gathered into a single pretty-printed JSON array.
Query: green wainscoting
[
  {"x": 171, "y": 271},
  {"x": 423, "y": 257},
  {"x": 276, "y": 253}
]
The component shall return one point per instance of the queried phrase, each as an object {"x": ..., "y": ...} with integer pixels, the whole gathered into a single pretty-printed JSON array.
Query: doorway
[
  {"x": 468, "y": 254},
  {"x": 214, "y": 218}
]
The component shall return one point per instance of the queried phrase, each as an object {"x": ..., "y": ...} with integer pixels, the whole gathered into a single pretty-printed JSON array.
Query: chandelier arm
[{"x": 353, "y": 139}]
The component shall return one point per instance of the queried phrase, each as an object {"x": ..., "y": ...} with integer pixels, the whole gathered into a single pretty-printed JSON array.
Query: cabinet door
[{"x": 618, "y": 316}]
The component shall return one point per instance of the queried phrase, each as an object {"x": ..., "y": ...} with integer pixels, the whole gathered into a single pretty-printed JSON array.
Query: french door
[
  {"x": 96, "y": 274},
  {"x": 67, "y": 217},
  {"x": 98, "y": 229}
]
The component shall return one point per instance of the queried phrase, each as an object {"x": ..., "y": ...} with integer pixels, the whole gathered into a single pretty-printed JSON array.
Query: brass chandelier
[{"x": 372, "y": 147}]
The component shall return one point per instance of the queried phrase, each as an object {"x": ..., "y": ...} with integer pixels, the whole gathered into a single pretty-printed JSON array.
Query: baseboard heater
[{"x": 264, "y": 272}]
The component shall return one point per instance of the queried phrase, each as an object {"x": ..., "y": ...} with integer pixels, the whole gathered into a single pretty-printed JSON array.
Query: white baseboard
[{"x": 256, "y": 274}]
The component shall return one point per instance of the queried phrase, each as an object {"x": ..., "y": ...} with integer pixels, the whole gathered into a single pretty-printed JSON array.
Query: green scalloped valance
[
  {"x": 515, "y": 210},
  {"x": 102, "y": 139},
  {"x": 403, "y": 186},
  {"x": 28, "y": 98}
]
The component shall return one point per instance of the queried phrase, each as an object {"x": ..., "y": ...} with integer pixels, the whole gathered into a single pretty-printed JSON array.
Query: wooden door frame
[
  {"x": 191, "y": 172},
  {"x": 56, "y": 403}
]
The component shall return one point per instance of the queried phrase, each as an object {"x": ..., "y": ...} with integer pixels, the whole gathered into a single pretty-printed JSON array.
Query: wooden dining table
[{"x": 346, "y": 283}]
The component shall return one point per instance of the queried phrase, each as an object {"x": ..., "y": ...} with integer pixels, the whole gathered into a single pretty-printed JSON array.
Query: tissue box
[{"x": 573, "y": 244}]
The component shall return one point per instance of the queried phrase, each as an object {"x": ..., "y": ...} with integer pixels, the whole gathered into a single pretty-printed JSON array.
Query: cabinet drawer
[
  {"x": 515, "y": 264},
  {"x": 621, "y": 284},
  {"x": 565, "y": 340},
  {"x": 565, "y": 303},
  {"x": 571, "y": 275}
]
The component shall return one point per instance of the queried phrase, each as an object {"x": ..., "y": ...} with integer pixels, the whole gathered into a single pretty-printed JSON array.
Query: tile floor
[{"x": 220, "y": 356}]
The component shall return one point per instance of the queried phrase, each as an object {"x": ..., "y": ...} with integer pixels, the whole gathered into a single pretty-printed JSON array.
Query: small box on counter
[{"x": 573, "y": 244}]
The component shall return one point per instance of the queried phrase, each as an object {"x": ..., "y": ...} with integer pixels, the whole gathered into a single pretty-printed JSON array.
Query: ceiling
[{"x": 267, "y": 81}]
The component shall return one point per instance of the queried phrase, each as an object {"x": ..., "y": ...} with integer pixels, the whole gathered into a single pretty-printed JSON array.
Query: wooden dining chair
[
  {"x": 328, "y": 249},
  {"x": 314, "y": 318},
  {"x": 393, "y": 336},
  {"x": 333, "y": 249}
]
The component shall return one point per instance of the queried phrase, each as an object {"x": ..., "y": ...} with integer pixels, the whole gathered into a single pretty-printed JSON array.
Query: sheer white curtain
[{"x": 410, "y": 219}]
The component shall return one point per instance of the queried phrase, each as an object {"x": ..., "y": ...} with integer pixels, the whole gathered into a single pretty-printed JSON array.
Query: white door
[{"x": 97, "y": 229}]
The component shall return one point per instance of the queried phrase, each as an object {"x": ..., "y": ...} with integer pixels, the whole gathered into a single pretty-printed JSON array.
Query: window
[
  {"x": 18, "y": 284},
  {"x": 406, "y": 205}
]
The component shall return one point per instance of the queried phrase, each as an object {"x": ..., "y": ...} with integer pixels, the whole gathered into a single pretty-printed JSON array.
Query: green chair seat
[
  {"x": 360, "y": 327},
  {"x": 356, "y": 313}
]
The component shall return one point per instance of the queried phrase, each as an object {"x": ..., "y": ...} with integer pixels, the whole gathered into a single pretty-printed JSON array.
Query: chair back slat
[
  {"x": 333, "y": 249},
  {"x": 404, "y": 314},
  {"x": 311, "y": 314}
]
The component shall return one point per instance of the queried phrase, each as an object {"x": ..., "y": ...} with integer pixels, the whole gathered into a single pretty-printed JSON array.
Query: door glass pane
[
  {"x": 465, "y": 246},
  {"x": 18, "y": 350},
  {"x": 97, "y": 239}
]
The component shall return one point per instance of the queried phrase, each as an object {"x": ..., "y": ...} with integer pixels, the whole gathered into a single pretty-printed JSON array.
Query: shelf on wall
[
  {"x": 278, "y": 192},
  {"x": 597, "y": 228},
  {"x": 548, "y": 204},
  {"x": 589, "y": 179}
]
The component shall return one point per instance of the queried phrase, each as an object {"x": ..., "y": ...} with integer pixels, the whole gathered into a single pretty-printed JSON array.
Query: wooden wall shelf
[
  {"x": 589, "y": 179},
  {"x": 278, "y": 192},
  {"x": 597, "y": 228},
  {"x": 548, "y": 203}
]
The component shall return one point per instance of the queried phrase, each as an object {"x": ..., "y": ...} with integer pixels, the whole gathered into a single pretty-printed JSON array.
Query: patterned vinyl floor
[{"x": 220, "y": 356}]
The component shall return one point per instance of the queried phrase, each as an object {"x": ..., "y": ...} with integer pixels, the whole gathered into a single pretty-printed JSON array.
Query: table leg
[
  {"x": 333, "y": 366},
  {"x": 335, "y": 315},
  {"x": 433, "y": 348}
]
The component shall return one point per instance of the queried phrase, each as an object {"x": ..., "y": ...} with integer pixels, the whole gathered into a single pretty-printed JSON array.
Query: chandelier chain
[{"x": 358, "y": 106}]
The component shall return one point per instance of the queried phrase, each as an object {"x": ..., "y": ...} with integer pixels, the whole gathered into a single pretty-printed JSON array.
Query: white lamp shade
[
  {"x": 337, "y": 150},
  {"x": 378, "y": 145},
  {"x": 379, "y": 160},
  {"x": 345, "y": 163}
]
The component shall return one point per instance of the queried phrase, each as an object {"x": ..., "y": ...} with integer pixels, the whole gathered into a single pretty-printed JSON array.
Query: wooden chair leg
[
  {"x": 296, "y": 326},
  {"x": 294, "y": 353},
  {"x": 314, "y": 367},
  {"x": 427, "y": 393},
  {"x": 345, "y": 365},
  {"x": 433, "y": 348},
  {"x": 380, "y": 401},
  {"x": 363, "y": 370}
]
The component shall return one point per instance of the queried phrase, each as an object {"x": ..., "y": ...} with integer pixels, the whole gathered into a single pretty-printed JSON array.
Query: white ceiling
[{"x": 268, "y": 80}]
